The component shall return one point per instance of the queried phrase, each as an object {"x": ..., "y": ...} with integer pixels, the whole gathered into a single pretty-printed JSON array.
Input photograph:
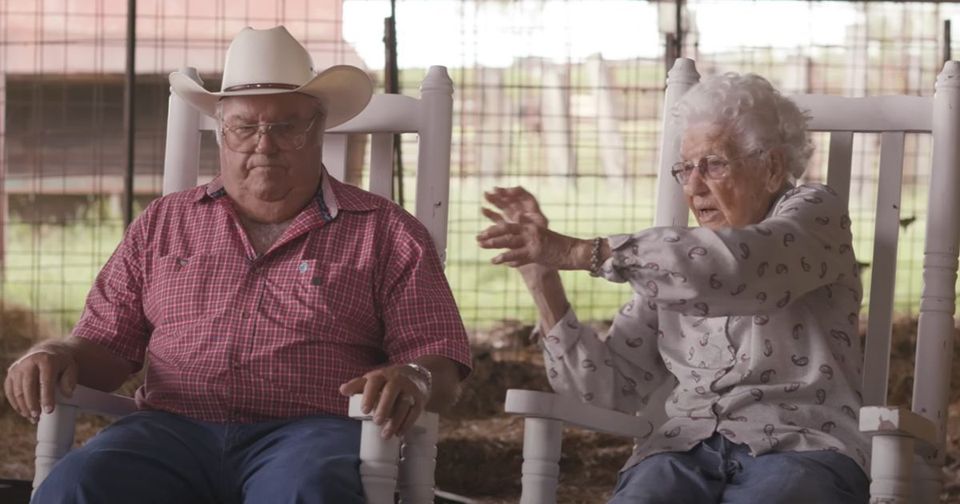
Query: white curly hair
[{"x": 759, "y": 116}]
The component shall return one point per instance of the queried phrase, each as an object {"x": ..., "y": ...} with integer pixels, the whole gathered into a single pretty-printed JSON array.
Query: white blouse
[{"x": 749, "y": 332}]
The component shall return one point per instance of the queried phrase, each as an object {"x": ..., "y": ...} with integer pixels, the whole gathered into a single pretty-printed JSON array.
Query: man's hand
[
  {"x": 396, "y": 395},
  {"x": 31, "y": 379}
]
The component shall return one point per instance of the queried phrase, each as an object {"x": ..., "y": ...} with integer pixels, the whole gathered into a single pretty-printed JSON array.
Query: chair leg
[
  {"x": 54, "y": 439},
  {"x": 418, "y": 461},
  {"x": 378, "y": 464},
  {"x": 541, "y": 456},
  {"x": 891, "y": 470},
  {"x": 927, "y": 479}
]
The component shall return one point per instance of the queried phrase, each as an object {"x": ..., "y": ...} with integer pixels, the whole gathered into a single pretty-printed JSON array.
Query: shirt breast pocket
[
  {"x": 183, "y": 289},
  {"x": 329, "y": 301}
]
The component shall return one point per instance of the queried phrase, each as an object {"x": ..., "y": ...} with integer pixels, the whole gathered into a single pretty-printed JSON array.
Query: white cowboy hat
[{"x": 271, "y": 62}]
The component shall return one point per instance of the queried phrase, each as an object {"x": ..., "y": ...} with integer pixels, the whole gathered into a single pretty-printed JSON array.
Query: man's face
[
  {"x": 740, "y": 197},
  {"x": 270, "y": 169}
]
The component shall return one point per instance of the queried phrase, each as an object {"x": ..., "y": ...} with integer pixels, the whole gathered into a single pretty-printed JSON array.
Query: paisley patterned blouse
[{"x": 749, "y": 332}]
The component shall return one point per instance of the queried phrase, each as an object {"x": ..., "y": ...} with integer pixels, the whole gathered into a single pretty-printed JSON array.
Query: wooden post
[
  {"x": 418, "y": 460},
  {"x": 556, "y": 130},
  {"x": 433, "y": 169},
  {"x": 495, "y": 117},
  {"x": 55, "y": 433},
  {"x": 541, "y": 457},
  {"x": 856, "y": 43},
  {"x": 890, "y": 474},
  {"x": 931, "y": 386},
  {"x": 181, "y": 158},
  {"x": 612, "y": 151},
  {"x": 671, "y": 207},
  {"x": 4, "y": 207}
]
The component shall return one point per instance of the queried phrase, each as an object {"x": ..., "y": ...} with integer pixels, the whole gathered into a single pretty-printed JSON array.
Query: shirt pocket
[
  {"x": 184, "y": 289},
  {"x": 330, "y": 302}
]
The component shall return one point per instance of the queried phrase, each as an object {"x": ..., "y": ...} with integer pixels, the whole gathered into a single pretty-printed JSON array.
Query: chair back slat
[
  {"x": 381, "y": 164},
  {"x": 335, "y": 154},
  {"x": 883, "y": 270},
  {"x": 870, "y": 114},
  {"x": 839, "y": 162},
  {"x": 387, "y": 113}
]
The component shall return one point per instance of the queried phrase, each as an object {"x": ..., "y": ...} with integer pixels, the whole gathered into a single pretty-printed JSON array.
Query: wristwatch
[{"x": 425, "y": 374}]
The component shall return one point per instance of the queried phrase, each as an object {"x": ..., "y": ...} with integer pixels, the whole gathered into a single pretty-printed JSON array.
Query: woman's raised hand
[
  {"x": 514, "y": 202},
  {"x": 522, "y": 230}
]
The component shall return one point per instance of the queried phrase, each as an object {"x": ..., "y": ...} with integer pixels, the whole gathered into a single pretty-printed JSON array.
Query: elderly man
[{"x": 262, "y": 299}]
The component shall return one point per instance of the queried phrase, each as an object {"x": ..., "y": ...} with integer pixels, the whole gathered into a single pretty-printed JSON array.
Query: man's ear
[{"x": 777, "y": 175}]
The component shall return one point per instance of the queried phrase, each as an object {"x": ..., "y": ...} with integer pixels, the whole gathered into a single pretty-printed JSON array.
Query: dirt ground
[{"x": 480, "y": 447}]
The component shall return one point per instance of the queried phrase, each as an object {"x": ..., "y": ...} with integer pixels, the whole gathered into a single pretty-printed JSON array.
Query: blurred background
[{"x": 563, "y": 97}]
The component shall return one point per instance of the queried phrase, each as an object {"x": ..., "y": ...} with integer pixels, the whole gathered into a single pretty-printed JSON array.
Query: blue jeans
[
  {"x": 157, "y": 457},
  {"x": 719, "y": 471}
]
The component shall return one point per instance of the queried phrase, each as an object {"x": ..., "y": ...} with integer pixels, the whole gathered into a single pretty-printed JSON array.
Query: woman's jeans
[{"x": 719, "y": 471}]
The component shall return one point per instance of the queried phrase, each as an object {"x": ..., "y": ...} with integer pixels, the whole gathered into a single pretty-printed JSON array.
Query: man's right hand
[{"x": 31, "y": 379}]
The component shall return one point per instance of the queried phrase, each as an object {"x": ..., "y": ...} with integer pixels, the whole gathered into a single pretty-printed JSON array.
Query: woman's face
[{"x": 743, "y": 194}]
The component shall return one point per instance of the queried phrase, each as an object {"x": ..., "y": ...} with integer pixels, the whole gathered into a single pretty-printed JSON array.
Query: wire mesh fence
[{"x": 562, "y": 97}]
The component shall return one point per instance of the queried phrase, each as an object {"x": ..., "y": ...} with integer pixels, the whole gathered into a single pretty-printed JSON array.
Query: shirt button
[{"x": 302, "y": 267}]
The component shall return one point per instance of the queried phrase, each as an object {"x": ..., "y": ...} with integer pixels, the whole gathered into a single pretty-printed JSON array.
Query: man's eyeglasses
[
  {"x": 287, "y": 136},
  {"x": 710, "y": 167}
]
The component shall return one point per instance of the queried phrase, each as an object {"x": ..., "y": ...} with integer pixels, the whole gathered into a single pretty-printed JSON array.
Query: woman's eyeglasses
[{"x": 711, "y": 167}]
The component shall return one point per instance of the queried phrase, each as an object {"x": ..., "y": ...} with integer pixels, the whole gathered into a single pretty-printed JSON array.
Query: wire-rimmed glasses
[{"x": 287, "y": 136}]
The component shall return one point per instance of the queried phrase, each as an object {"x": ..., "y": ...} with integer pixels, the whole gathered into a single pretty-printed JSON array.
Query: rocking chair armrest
[
  {"x": 96, "y": 401},
  {"x": 897, "y": 421},
  {"x": 572, "y": 411},
  {"x": 427, "y": 420}
]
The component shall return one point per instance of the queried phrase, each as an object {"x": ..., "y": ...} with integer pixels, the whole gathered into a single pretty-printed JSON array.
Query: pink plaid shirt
[{"x": 353, "y": 284}]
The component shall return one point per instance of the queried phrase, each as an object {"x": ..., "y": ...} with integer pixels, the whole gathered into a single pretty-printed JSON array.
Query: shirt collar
[
  {"x": 787, "y": 187},
  {"x": 331, "y": 198}
]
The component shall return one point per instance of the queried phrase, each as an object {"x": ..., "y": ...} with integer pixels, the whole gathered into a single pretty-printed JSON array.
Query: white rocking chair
[
  {"x": 382, "y": 463},
  {"x": 908, "y": 444}
]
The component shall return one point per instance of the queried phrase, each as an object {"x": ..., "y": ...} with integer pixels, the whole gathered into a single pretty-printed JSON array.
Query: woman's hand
[
  {"x": 514, "y": 202},
  {"x": 522, "y": 214},
  {"x": 522, "y": 229}
]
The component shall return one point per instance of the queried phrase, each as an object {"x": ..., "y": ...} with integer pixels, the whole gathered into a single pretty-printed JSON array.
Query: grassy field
[{"x": 50, "y": 267}]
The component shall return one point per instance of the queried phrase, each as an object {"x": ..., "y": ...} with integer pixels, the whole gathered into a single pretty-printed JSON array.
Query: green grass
[{"x": 50, "y": 268}]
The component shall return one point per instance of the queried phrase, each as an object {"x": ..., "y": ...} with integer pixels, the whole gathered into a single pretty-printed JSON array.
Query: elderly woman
[{"x": 740, "y": 345}]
